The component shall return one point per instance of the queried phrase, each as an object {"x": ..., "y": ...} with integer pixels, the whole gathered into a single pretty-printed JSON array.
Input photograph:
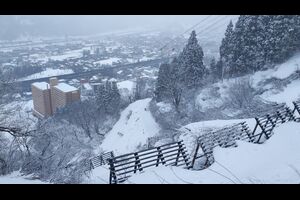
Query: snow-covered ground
[
  {"x": 128, "y": 84},
  {"x": 47, "y": 73},
  {"x": 17, "y": 178},
  {"x": 68, "y": 55},
  {"x": 216, "y": 94},
  {"x": 276, "y": 161},
  {"x": 290, "y": 93},
  {"x": 108, "y": 61},
  {"x": 191, "y": 132},
  {"x": 126, "y": 88},
  {"x": 280, "y": 71},
  {"x": 134, "y": 127}
]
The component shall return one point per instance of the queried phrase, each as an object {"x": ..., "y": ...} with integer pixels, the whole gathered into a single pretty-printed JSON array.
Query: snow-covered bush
[
  {"x": 241, "y": 94},
  {"x": 57, "y": 152}
]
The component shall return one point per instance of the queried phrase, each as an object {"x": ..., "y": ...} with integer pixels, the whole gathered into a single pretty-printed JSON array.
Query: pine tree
[
  {"x": 115, "y": 98},
  {"x": 213, "y": 69},
  {"x": 226, "y": 48},
  {"x": 108, "y": 98},
  {"x": 259, "y": 41},
  {"x": 100, "y": 93},
  {"x": 163, "y": 82},
  {"x": 190, "y": 60}
]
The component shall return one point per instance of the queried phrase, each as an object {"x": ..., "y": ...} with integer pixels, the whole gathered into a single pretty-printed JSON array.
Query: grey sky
[{"x": 93, "y": 24}]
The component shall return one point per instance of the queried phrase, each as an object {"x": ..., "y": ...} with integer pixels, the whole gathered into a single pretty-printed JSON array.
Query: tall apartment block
[{"x": 47, "y": 98}]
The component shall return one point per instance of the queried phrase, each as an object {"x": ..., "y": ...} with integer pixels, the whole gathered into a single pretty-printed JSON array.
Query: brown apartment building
[{"x": 47, "y": 98}]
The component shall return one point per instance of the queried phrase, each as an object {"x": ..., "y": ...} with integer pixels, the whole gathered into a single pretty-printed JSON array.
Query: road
[{"x": 25, "y": 86}]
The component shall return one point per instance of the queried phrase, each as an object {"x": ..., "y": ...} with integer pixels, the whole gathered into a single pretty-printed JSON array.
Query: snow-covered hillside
[
  {"x": 134, "y": 127},
  {"x": 267, "y": 81},
  {"x": 276, "y": 161}
]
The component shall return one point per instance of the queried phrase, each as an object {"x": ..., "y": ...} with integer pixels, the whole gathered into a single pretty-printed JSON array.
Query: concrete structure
[
  {"x": 41, "y": 96},
  {"x": 47, "y": 98}
]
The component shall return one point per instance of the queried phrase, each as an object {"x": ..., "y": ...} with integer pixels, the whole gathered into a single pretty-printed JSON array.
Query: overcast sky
[{"x": 93, "y": 24}]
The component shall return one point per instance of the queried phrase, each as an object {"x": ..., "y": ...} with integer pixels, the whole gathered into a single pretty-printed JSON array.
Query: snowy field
[{"x": 48, "y": 73}]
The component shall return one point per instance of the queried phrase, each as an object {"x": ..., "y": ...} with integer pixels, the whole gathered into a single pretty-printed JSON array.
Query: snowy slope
[
  {"x": 17, "y": 178},
  {"x": 214, "y": 95},
  {"x": 290, "y": 93},
  {"x": 134, "y": 127},
  {"x": 276, "y": 161},
  {"x": 190, "y": 132}
]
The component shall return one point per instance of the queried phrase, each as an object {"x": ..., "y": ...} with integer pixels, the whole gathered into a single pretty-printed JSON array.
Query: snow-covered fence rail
[
  {"x": 99, "y": 160},
  {"x": 267, "y": 123},
  {"x": 297, "y": 109},
  {"x": 123, "y": 166},
  {"x": 225, "y": 137}
]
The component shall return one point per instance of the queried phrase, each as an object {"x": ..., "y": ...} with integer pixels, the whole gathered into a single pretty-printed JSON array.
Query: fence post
[
  {"x": 291, "y": 115},
  {"x": 262, "y": 128},
  {"x": 254, "y": 130},
  {"x": 137, "y": 164},
  {"x": 178, "y": 154},
  {"x": 159, "y": 157},
  {"x": 112, "y": 174},
  {"x": 195, "y": 155}
]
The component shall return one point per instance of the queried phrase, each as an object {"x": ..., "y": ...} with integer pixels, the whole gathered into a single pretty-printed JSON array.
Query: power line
[
  {"x": 218, "y": 18},
  {"x": 185, "y": 32},
  {"x": 207, "y": 27},
  {"x": 213, "y": 26}
]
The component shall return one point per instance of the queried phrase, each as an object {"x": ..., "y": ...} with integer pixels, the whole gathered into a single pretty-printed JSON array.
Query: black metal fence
[
  {"x": 102, "y": 159},
  {"x": 224, "y": 137},
  {"x": 265, "y": 125},
  {"x": 175, "y": 154},
  {"x": 296, "y": 110},
  {"x": 122, "y": 167}
]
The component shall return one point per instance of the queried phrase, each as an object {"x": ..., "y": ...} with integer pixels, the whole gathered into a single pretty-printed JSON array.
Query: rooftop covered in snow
[
  {"x": 65, "y": 87},
  {"x": 41, "y": 85}
]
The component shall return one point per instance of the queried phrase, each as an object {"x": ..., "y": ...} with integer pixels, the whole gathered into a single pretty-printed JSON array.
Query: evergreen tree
[
  {"x": 190, "y": 60},
  {"x": 215, "y": 69},
  {"x": 115, "y": 99},
  {"x": 108, "y": 98},
  {"x": 259, "y": 41},
  {"x": 163, "y": 82},
  {"x": 169, "y": 86},
  {"x": 226, "y": 48}
]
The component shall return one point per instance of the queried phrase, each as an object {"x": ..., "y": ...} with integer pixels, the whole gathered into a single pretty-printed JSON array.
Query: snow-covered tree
[
  {"x": 259, "y": 41},
  {"x": 168, "y": 84},
  {"x": 190, "y": 60}
]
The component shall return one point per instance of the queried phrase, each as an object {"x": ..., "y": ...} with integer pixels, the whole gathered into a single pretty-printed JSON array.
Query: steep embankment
[{"x": 134, "y": 127}]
